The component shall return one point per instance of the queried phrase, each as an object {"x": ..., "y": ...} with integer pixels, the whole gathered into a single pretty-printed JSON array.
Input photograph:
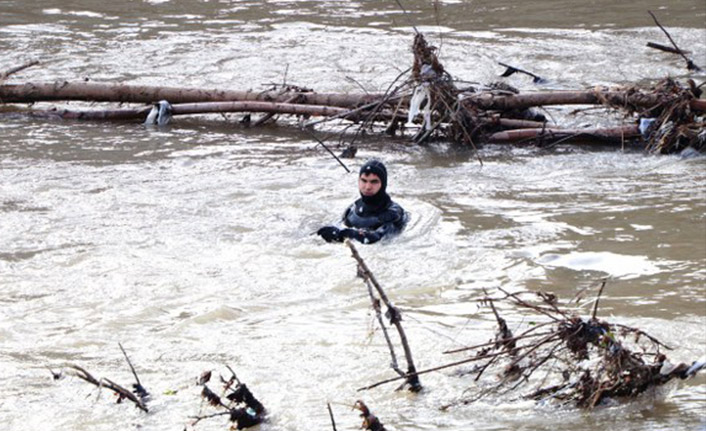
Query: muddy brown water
[{"x": 191, "y": 244}]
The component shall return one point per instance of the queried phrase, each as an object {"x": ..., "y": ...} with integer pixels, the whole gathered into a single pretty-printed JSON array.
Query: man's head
[{"x": 372, "y": 178}]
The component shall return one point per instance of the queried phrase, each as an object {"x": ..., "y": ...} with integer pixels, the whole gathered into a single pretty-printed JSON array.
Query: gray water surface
[{"x": 191, "y": 244}]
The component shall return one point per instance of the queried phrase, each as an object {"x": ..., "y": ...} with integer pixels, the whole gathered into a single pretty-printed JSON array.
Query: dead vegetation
[
  {"x": 236, "y": 401},
  {"x": 138, "y": 396},
  {"x": 667, "y": 118},
  {"x": 563, "y": 358}
]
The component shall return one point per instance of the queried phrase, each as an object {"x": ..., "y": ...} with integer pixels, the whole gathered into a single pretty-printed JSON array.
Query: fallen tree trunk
[
  {"x": 626, "y": 99},
  {"x": 270, "y": 108},
  {"x": 611, "y": 134},
  {"x": 200, "y": 108},
  {"x": 64, "y": 90}
]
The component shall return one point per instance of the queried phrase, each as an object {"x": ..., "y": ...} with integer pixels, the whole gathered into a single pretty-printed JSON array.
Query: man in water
[{"x": 374, "y": 215}]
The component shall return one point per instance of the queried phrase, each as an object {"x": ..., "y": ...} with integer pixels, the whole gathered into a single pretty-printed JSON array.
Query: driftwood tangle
[
  {"x": 564, "y": 358},
  {"x": 426, "y": 94}
]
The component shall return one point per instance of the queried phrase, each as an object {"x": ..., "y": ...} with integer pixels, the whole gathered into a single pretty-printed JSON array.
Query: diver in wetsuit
[{"x": 374, "y": 215}]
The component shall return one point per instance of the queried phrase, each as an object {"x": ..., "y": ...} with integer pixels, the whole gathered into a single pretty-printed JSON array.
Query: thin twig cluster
[{"x": 569, "y": 359}]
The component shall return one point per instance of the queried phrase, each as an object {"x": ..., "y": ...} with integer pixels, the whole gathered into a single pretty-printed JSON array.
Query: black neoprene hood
[{"x": 378, "y": 168}]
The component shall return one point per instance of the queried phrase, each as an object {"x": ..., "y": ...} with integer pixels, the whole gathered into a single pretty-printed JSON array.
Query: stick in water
[
  {"x": 329, "y": 150},
  {"x": 395, "y": 317},
  {"x": 330, "y": 413},
  {"x": 689, "y": 64},
  {"x": 4, "y": 75}
]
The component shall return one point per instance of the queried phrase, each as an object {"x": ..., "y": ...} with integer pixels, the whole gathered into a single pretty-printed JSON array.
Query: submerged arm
[
  {"x": 393, "y": 220},
  {"x": 370, "y": 236}
]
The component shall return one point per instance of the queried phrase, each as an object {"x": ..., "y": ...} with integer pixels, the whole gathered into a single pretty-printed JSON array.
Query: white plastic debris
[
  {"x": 152, "y": 116},
  {"x": 696, "y": 367},
  {"x": 161, "y": 114},
  {"x": 667, "y": 368},
  {"x": 427, "y": 72},
  {"x": 645, "y": 124},
  {"x": 420, "y": 95}
]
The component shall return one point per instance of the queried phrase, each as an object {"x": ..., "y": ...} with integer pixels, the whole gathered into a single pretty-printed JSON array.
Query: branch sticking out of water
[
  {"x": 122, "y": 393},
  {"x": 6, "y": 74},
  {"x": 392, "y": 313},
  {"x": 689, "y": 63},
  {"x": 598, "y": 297},
  {"x": 137, "y": 387},
  {"x": 330, "y": 413}
]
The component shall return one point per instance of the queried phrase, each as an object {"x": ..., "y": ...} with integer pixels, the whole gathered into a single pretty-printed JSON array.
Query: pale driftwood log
[
  {"x": 510, "y": 123},
  {"x": 92, "y": 92},
  {"x": 610, "y": 134},
  {"x": 202, "y": 108}
]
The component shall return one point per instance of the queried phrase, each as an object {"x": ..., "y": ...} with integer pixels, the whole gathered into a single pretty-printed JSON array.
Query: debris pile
[
  {"x": 236, "y": 402},
  {"x": 570, "y": 360},
  {"x": 667, "y": 118}
]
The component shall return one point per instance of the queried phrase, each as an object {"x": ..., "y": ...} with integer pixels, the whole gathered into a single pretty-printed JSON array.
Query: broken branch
[
  {"x": 689, "y": 64},
  {"x": 395, "y": 318}
]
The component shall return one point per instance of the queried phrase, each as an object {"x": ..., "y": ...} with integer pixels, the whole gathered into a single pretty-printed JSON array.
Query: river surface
[{"x": 191, "y": 244}]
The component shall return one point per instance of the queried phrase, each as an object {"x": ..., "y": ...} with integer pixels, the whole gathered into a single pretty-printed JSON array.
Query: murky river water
[{"x": 191, "y": 245}]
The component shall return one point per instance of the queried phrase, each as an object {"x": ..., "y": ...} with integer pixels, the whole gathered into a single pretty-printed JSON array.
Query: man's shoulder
[
  {"x": 393, "y": 213},
  {"x": 352, "y": 207}
]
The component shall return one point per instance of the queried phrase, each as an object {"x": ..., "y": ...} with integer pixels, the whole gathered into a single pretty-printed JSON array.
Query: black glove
[
  {"x": 349, "y": 233},
  {"x": 330, "y": 234}
]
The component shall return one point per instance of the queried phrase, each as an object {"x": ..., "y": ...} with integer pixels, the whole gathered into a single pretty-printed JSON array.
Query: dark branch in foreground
[
  {"x": 121, "y": 392},
  {"x": 392, "y": 313}
]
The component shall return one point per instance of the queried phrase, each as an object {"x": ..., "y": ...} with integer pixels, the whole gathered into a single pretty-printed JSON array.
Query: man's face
[{"x": 369, "y": 184}]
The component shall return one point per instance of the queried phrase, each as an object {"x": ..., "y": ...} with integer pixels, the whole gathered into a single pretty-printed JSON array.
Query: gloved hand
[
  {"x": 330, "y": 234},
  {"x": 349, "y": 233},
  {"x": 360, "y": 235}
]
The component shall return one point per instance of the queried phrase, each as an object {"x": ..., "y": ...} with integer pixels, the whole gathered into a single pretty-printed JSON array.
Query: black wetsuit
[{"x": 372, "y": 224}]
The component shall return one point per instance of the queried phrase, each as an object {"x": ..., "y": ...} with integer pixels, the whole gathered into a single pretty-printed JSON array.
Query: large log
[
  {"x": 610, "y": 134},
  {"x": 92, "y": 92},
  {"x": 616, "y": 98},
  {"x": 65, "y": 90},
  {"x": 203, "y": 108}
]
